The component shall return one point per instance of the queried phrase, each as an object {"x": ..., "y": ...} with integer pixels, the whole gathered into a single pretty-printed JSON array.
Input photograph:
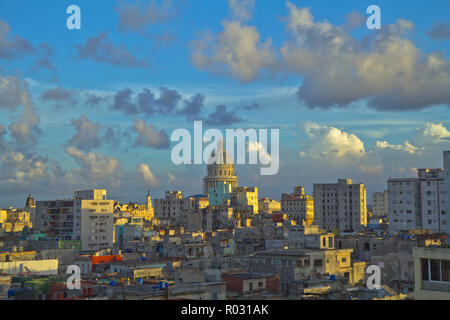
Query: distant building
[
  {"x": 171, "y": 209},
  {"x": 422, "y": 202},
  {"x": 220, "y": 171},
  {"x": 223, "y": 194},
  {"x": 340, "y": 206},
  {"x": 404, "y": 205},
  {"x": 447, "y": 185},
  {"x": 298, "y": 206},
  {"x": 88, "y": 217},
  {"x": 268, "y": 206},
  {"x": 380, "y": 203}
]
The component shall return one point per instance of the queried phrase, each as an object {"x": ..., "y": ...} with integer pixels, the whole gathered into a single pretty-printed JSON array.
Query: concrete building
[
  {"x": 432, "y": 273},
  {"x": 422, "y": 202},
  {"x": 88, "y": 217},
  {"x": 294, "y": 265},
  {"x": 223, "y": 194},
  {"x": 447, "y": 185},
  {"x": 404, "y": 209},
  {"x": 171, "y": 209},
  {"x": 298, "y": 206},
  {"x": 433, "y": 200},
  {"x": 309, "y": 237},
  {"x": 340, "y": 206},
  {"x": 380, "y": 203},
  {"x": 268, "y": 206}
]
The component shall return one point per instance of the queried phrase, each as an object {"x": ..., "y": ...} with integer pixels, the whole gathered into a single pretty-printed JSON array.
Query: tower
[
  {"x": 220, "y": 170},
  {"x": 149, "y": 200}
]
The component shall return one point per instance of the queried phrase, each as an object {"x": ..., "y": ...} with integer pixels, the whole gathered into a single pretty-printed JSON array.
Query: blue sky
[{"x": 349, "y": 102}]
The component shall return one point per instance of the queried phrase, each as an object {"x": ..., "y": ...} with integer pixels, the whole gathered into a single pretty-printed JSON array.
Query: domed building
[
  {"x": 220, "y": 171},
  {"x": 29, "y": 203}
]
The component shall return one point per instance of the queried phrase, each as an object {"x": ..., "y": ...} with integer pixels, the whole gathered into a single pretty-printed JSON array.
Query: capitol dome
[
  {"x": 30, "y": 202},
  {"x": 220, "y": 171}
]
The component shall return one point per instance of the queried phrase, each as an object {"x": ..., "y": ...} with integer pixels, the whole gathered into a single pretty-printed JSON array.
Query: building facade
[
  {"x": 404, "y": 209},
  {"x": 340, "y": 206},
  {"x": 380, "y": 203},
  {"x": 298, "y": 206},
  {"x": 88, "y": 217}
]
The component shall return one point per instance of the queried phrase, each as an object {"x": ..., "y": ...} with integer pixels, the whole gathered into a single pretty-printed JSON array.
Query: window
[
  {"x": 425, "y": 274},
  {"x": 318, "y": 263},
  {"x": 435, "y": 270}
]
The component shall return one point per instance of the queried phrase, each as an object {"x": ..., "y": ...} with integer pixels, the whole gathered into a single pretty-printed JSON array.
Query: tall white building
[
  {"x": 422, "y": 202},
  {"x": 341, "y": 206},
  {"x": 447, "y": 186},
  {"x": 380, "y": 203},
  {"x": 88, "y": 217},
  {"x": 404, "y": 210},
  {"x": 433, "y": 203}
]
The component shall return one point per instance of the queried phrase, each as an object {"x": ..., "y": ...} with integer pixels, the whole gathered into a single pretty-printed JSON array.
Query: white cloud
[
  {"x": 95, "y": 166},
  {"x": 149, "y": 136},
  {"x": 386, "y": 68},
  {"x": 331, "y": 143},
  {"x": 236, "y": 52},
  {"x": 147, "y": 175},
  {"x": 405, "y": 147},
  {"x": 242, "y": 10}
]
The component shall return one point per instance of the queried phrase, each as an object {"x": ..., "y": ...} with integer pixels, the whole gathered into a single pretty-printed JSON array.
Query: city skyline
[{"x": 95, "y": 108}]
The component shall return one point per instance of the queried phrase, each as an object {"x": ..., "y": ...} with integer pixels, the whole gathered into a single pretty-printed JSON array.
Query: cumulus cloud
[
  {"x": 58, "y": 94},
  {"x": 87, "y": 134},
  {"x": 101, "y": 49},
  {"x": 440, "y": 31},
  {"x": 173, "y": 180},
  {"x": 432, "y": 134},
  {"x": 242, "y": 10},
  {"x": 386, "y": 68},
  {"x": 405, "y": 147},
  {"x": 222, "y": 117},
  {"x": 137, "y": 15},
  {"x": 150, "y": 136},
  {"x": 14, "y": 93},
  {"x": 331, "y": 143},
  {"x": 236, "y": 51},
  {"x": 95, "y": 166},
  {"x": 193, "y": 107},
  {"x": 18, "y": 167},
  {"x": 147, "y": 175},
  {"x": 17, "y": 47},
  {"x": 145, "y": 102}
]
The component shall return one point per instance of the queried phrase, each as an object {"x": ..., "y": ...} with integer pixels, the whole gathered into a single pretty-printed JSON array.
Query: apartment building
[
  {"x": 298, "y": 206},
  {"x": 433, "y": 200},
  {"x": 309, "y": 237},
  {"x": 294, "y": 265},
  {"x": 88, "y": 217},
  {"x": 171, "y": 209},
  {"x": 340, "y": 206},
  {"x": 404, "y": 210},
  {"x": 447, "y": 186},
  {"x": 380, "y": 203},
  {"x": 422, "y": 202},
  {"x": 268, "y": 206}
]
